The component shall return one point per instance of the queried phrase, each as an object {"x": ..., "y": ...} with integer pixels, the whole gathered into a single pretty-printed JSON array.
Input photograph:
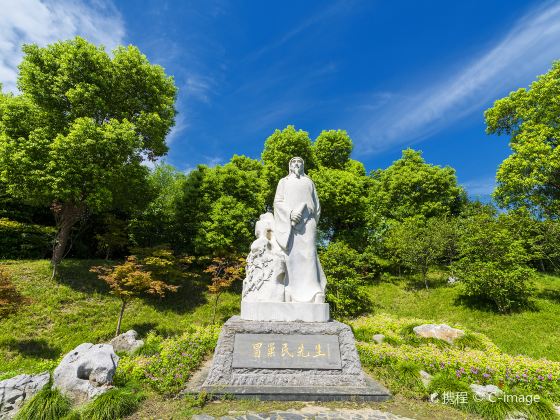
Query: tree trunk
[
  {"x": 66, "y": 216},
  {"x": 120, "y": 318}
]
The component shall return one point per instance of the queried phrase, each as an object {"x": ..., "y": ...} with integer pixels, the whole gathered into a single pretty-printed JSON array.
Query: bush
[
  {"x": 22, "y": 240},
  {"x": 47, "y": 404},
  {"x": 113, "y": 404},
  {"x": 345, "y": 290},
  {"x": 507, "y": 288}
]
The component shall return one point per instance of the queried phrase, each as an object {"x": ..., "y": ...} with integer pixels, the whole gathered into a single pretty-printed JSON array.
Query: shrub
[
  {"x": 47, "y": 404},
  {"x": 113, "y": 404},
  {"x": 22, "y": 240},
  {"x": 345, "y": 290},
  {"x": 507, "y": 288}
]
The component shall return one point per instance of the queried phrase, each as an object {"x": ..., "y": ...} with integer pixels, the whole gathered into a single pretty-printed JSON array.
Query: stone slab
[
  {"x": 344, "y": 382},
  {"x": 371, "y": 391},
  {"x": 285, "y": 311},
  {"x": 283, "y": 351}
]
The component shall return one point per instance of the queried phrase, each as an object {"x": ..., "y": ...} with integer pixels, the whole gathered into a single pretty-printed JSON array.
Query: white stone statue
[
  {"x": 296, "y": 214},
  {"x": 284, "y": 280},
  {"x": 266, "y": 266}
]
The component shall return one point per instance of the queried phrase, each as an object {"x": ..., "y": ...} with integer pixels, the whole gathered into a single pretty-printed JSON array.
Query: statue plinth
[{"x": 285, "y": 311}]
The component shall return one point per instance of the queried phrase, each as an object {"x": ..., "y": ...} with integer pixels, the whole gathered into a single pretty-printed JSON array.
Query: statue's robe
[{"x": 305, "y": 276}]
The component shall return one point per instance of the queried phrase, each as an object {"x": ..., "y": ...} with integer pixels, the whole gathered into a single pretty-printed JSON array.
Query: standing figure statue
[{"x": 296, "y": 214}]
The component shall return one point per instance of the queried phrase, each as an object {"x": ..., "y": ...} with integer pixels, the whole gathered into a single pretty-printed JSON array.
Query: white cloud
[
  {"x": 46, "y": 21},
  {"x": 480, "y": 186},
  {"x": 525, "y": 51}
]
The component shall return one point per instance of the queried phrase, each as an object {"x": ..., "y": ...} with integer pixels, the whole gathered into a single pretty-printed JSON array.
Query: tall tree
[
  {"x": 76, "y": 137},
  {"x": 411, "y": 187},
  {"x": 332, "y": 149},
  {"x": 530, "y": 176},
  {"x": 279, "y": 148}
]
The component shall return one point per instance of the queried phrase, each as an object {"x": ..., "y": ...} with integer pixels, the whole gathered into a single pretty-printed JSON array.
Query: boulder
[
  {"x": 486, "y": 391},
  {"x": 426, "y": 378},
  {"x": 440, "y": 331},
  {"x": 15, "y": 391},
  {"x": 378, "y": 338},
  {"x": 127, "y": 342},
  {"x": 86, "y": 371}
]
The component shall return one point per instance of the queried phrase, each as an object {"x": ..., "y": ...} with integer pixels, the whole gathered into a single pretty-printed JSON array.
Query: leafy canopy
[
  {"x": 83, "y": 124},
  {"x": 530, "y": 176}
]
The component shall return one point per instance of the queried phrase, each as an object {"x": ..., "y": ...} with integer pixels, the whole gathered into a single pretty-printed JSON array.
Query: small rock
[
  {"x": 440, "y": 331},
  {"x": 378, "y": 338},
  {"x": 15, "y": 391},
  {"x": 127, "y": 342},
  {"x": 426, "y": 378},
  {"x": 86, "y": 371},
  {"x": 486, "y": 391},
  {"x": 452, "y": 280}
]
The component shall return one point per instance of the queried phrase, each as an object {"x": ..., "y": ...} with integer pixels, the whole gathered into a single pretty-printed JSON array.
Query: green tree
[
  {"x": 219, "y": 207},
  {"x": 332, "y": 149},
  {"x": 279, "y": 148},
  {"x": 530, "y": 176},
  {"x": 343, "y": 198},
  {"x": 76, "y": 137},
  {"x": 345, "y": 291},
  {"x": 492, "y": 263},
  {"x": 411, "y": 187},
  {"x": 156, "y": 224}
]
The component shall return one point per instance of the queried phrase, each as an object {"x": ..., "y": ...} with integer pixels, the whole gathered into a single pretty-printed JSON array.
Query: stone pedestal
[
  {"x": 285, "y": 311},
  {"x": 307, "y": 361}
]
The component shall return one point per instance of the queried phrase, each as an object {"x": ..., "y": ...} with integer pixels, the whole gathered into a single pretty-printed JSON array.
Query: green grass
[
  {"x": 533, "y": 332},
  {"x": 47, "y": 404},
  {"x": 76, "y": 307},
  {"x": 113, "y": 404}
]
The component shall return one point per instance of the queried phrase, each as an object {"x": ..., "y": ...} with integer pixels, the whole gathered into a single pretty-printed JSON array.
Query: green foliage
[
  {"x": 78, "y": 134},
  {"x": 529, "y": 176},
  {"x": 114, "y": 237},
  {"x": 345, "y": 291},
  {"x": 113, "y": 404},
  {"x": 22, "y": 240},
  {"x": 418, "y": 243},
  {"x": 487, "y": 365},
  {"x": 177, "y": 358},
  {"x": 157, "y": 223},
  {"x": 492, "y": 264},
  {"x": 47, "y": 404},
  {"x": 279, "y": 148},
  {"x": 332, "y": 149},
  {"x": 412, "y": 187},
  {"x": 343, "y": 198},
  {"x": 219, "y": 207}
]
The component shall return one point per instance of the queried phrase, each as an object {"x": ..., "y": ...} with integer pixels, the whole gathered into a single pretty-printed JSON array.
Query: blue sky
[{"x": 393, "y": 74}]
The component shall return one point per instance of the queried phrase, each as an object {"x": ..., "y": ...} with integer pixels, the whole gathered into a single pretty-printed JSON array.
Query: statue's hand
[{"x": 295, "y": 216}]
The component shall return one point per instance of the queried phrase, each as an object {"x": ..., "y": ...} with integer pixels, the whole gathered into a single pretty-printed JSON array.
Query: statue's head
[{"x": 296, "y": 166}]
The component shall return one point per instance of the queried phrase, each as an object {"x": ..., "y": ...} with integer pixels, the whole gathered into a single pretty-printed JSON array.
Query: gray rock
[
  {"x": 378, "y": 338},
  {"x": 86, "y": 371},
  {"x": 452, "y": 280},
  {"x": 127, "y": 342},
  {"x": 426, "y": 378},
  {"x": 15, "y": 391},
  {"x": 440, "y": 331},
  {"x": 486, "y": 391}
]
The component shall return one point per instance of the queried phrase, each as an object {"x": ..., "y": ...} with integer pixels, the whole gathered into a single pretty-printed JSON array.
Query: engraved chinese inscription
[{"x": 279, "y": 351}]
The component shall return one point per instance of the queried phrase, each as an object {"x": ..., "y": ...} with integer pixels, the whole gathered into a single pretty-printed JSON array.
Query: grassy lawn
[
  {"x": 77, "y": 307},
  {"x": 535, "y": 332}
]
